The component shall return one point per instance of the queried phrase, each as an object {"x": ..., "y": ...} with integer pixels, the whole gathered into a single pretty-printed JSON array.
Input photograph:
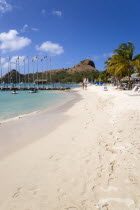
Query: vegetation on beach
[{"x": 123, "y": 62}]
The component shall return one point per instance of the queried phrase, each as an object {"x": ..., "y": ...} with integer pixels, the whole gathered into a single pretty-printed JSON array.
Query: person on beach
[{"x": 85, "y": 83}]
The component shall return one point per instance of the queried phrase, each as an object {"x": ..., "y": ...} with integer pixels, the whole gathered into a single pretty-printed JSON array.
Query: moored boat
[
  {"x": 14, "y": 92},
  {"x": 33, "y": 91}
]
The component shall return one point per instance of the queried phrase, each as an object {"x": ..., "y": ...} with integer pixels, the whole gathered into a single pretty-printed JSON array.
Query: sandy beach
[{"x": 88, "y": 160}]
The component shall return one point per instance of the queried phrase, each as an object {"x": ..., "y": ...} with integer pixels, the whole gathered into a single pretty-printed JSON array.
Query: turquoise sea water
[{"x": 13, "y": 105}]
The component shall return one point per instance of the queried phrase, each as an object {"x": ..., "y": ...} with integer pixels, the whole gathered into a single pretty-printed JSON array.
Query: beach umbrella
[
  {"x": 136, "y": 75},
  {"x": 126, "y": 79}
]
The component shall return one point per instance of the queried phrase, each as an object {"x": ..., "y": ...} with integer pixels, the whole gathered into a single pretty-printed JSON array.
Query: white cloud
[
  {"x": 57, "y": 13},
  {"x": 2, "y": 60},
  {"x": 43, "y": 11},
  {"x": 5, "y": 65},
  {"x": 96, "y": 57},
  {"x": 5, "y": 7},
  {"x": 10, "y": 41},
  {"x": 27, "y": 27},
  {"x": 13, "y": 60},
  {"x": 50, "y": 48},
  {"x": 24, "y": 29},
  {"x": 104, "y": 55},
  {"x": 35, "y": 29}
]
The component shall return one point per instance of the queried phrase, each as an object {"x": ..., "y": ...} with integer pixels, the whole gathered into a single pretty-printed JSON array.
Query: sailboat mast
[
  {"x": 8, "y": 72},
  {"x": 42, "y": 61},
  {"x": 37, "y": 69},
  {"x": 10, "y": 68},
  {"x": 33, "y": 69},
  {"x": 24, "y": 72},
  {"x": 50, "y": 69},
  {"x": 16, "y": 69},
  {"x": 46, "y": 69},
  {"x": 28, "y": 71},
  {"x": 1, "y": 69}
]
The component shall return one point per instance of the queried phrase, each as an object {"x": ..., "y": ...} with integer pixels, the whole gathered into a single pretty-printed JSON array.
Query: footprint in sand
[
  {"x": 17, "y": 193},
  {"x": 61, "y": 194},
  {"x": 105, "y": 207},
  {"x": 51, "y": 157},
  {"x": 73, "y": 138},
  {"x": 87, "y": 161},
  {"x": 112, "y": 166},
  {"x": 109, "y": 149},
  {"x": 132, "y": 179}
]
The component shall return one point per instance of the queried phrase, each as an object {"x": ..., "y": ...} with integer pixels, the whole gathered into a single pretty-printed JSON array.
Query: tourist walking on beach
[{"x": 85, "y": 83}]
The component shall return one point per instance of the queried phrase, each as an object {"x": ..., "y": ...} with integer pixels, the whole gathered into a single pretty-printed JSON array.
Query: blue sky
[{"x": 67, "y": 30}]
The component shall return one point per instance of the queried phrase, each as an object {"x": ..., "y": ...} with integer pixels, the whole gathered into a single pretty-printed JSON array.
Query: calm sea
[{"x": 13, "y": 105}]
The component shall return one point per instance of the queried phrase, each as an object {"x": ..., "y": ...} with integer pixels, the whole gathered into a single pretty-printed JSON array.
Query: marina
[{"x": 26, "y": 73}]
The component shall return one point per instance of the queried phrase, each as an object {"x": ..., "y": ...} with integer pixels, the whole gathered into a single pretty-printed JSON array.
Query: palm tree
[
  {"x": 136, "y": 63},
  {"x": 123, "y": 62},
  {"x": 104, "y": 76}
]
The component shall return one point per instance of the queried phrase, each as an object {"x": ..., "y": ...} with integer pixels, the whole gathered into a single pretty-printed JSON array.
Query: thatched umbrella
[
  {"x": 111, "y": 79},
  {"x": 126, "y": 79}
]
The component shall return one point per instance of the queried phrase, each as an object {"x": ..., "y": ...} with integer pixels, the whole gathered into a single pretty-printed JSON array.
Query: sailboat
[
  {"x": 14, "y": 92},
  {"x": 33, "y": 91}
]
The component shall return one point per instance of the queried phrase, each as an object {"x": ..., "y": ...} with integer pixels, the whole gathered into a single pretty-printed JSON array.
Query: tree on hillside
[{"x": 123, "y": 62}]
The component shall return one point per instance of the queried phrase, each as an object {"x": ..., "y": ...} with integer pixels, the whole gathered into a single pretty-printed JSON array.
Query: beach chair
[
  {"x": 135, "y": 89},
  {"x": 105, "y": 88},
  {"x": 138, "y": 90}
]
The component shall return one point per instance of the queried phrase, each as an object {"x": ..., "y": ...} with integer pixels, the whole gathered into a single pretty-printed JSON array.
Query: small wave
[{"x": 18, "y": 117}]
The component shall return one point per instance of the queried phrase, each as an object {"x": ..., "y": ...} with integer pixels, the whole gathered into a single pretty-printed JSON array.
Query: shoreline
[
  {"x": 48, "y": 115},
  {"x": 2, "y": 121},
  {"x": 90, "y": 161}
]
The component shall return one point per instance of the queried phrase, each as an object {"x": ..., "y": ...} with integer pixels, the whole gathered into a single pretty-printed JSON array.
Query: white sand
[{"x": 90, "y": 161}]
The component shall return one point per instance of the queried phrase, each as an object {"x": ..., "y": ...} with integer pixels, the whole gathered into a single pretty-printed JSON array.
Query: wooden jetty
[{"x": 29, "y": 88}]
